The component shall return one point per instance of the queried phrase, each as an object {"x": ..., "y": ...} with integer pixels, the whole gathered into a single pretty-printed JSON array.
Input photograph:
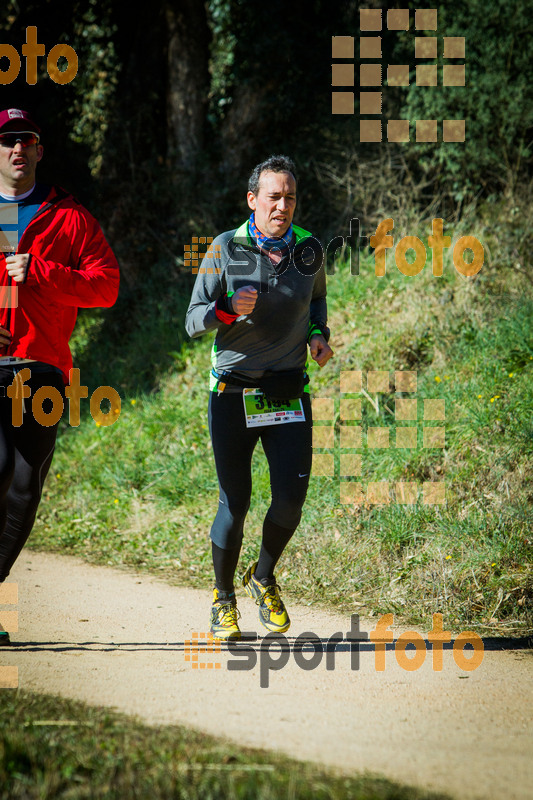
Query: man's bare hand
[
  {"x": 320, "y": 350},
  {"x": 17, "y": 266},
  {"x": 5, "y": 337},
  {"x": 244, "y": 300}
]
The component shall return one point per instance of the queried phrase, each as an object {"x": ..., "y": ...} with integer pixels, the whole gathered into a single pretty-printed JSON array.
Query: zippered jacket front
[
  {"x": 291, "y": 296},
  {"x": 71, "y": 266}
]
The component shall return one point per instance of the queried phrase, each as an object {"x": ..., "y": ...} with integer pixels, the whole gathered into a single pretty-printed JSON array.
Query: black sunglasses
[{"x": 26, "y": 138}]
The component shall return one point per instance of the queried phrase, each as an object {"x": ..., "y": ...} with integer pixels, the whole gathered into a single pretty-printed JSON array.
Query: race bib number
[{"x": 260, "y": 411}]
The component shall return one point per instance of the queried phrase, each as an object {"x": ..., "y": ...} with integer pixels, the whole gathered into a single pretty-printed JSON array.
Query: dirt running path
[{"x": 111, "y": 638}]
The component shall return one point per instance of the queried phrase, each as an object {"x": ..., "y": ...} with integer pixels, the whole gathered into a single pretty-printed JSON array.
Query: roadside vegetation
[
  {"x": 142, "y": 493},
  {"x": 51, "y": 747}
]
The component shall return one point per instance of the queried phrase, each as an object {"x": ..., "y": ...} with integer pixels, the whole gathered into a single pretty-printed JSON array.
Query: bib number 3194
[{"x": 258, "y": 410}]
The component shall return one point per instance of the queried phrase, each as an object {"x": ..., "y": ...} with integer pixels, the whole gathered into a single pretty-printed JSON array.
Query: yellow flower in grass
[
  {"x": 480, "y": 397},
  {"x": 133, "y": 401},
  {"x": 437, "y": 379}
]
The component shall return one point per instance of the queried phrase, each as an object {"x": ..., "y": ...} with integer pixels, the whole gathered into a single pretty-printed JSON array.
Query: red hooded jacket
[{"x": 71, "y": 267}]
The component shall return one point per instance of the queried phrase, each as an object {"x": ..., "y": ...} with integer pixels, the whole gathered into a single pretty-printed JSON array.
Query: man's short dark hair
[{"x": 272, "y": 164}]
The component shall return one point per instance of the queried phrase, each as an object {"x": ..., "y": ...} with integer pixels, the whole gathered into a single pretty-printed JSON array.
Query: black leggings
[
  {"x": 25, "y": 457},
  {"x": 288, "y": 448}
]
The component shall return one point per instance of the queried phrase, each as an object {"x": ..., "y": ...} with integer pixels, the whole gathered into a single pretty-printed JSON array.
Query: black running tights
[
  {"x": 25, "y": 457},
  {"x": 288, "y": 448}
]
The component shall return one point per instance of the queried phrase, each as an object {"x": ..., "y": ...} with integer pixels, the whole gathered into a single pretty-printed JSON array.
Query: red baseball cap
[{"x": 16, "y": 117}]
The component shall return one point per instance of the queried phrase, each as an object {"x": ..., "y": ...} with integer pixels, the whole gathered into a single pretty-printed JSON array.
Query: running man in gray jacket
[{"x": 262, "y": 288}]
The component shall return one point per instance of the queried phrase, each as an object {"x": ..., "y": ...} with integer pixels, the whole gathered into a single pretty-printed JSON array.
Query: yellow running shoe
[
  {"x": 272, "y": 612},
  {"x": 224, "y": 616}
]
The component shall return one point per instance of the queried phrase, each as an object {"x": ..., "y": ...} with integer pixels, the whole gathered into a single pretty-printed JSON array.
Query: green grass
[
  {"x": 143, "y": 492},
  {"x": 55, "y": 748}
]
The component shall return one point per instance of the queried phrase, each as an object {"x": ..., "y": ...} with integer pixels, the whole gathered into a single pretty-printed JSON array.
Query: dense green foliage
[
  {"x": 497, "y": 101},
  {"x": 268, "y": 89}
]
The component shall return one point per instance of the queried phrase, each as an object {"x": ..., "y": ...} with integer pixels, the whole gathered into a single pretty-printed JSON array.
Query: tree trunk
[{"x": 188, "y": 79}]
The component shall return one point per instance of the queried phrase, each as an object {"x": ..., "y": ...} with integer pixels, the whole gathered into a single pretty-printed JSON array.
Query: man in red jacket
[{"x": 54, "y": 260}]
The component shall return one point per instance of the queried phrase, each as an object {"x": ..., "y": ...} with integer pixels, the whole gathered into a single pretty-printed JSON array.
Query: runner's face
[
  {"x": 17, "y": 166},
  {"x": 274, "y": 203}
]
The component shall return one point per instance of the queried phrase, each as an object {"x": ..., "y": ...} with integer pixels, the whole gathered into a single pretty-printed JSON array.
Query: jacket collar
[{"x": 243, "y": 238}]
